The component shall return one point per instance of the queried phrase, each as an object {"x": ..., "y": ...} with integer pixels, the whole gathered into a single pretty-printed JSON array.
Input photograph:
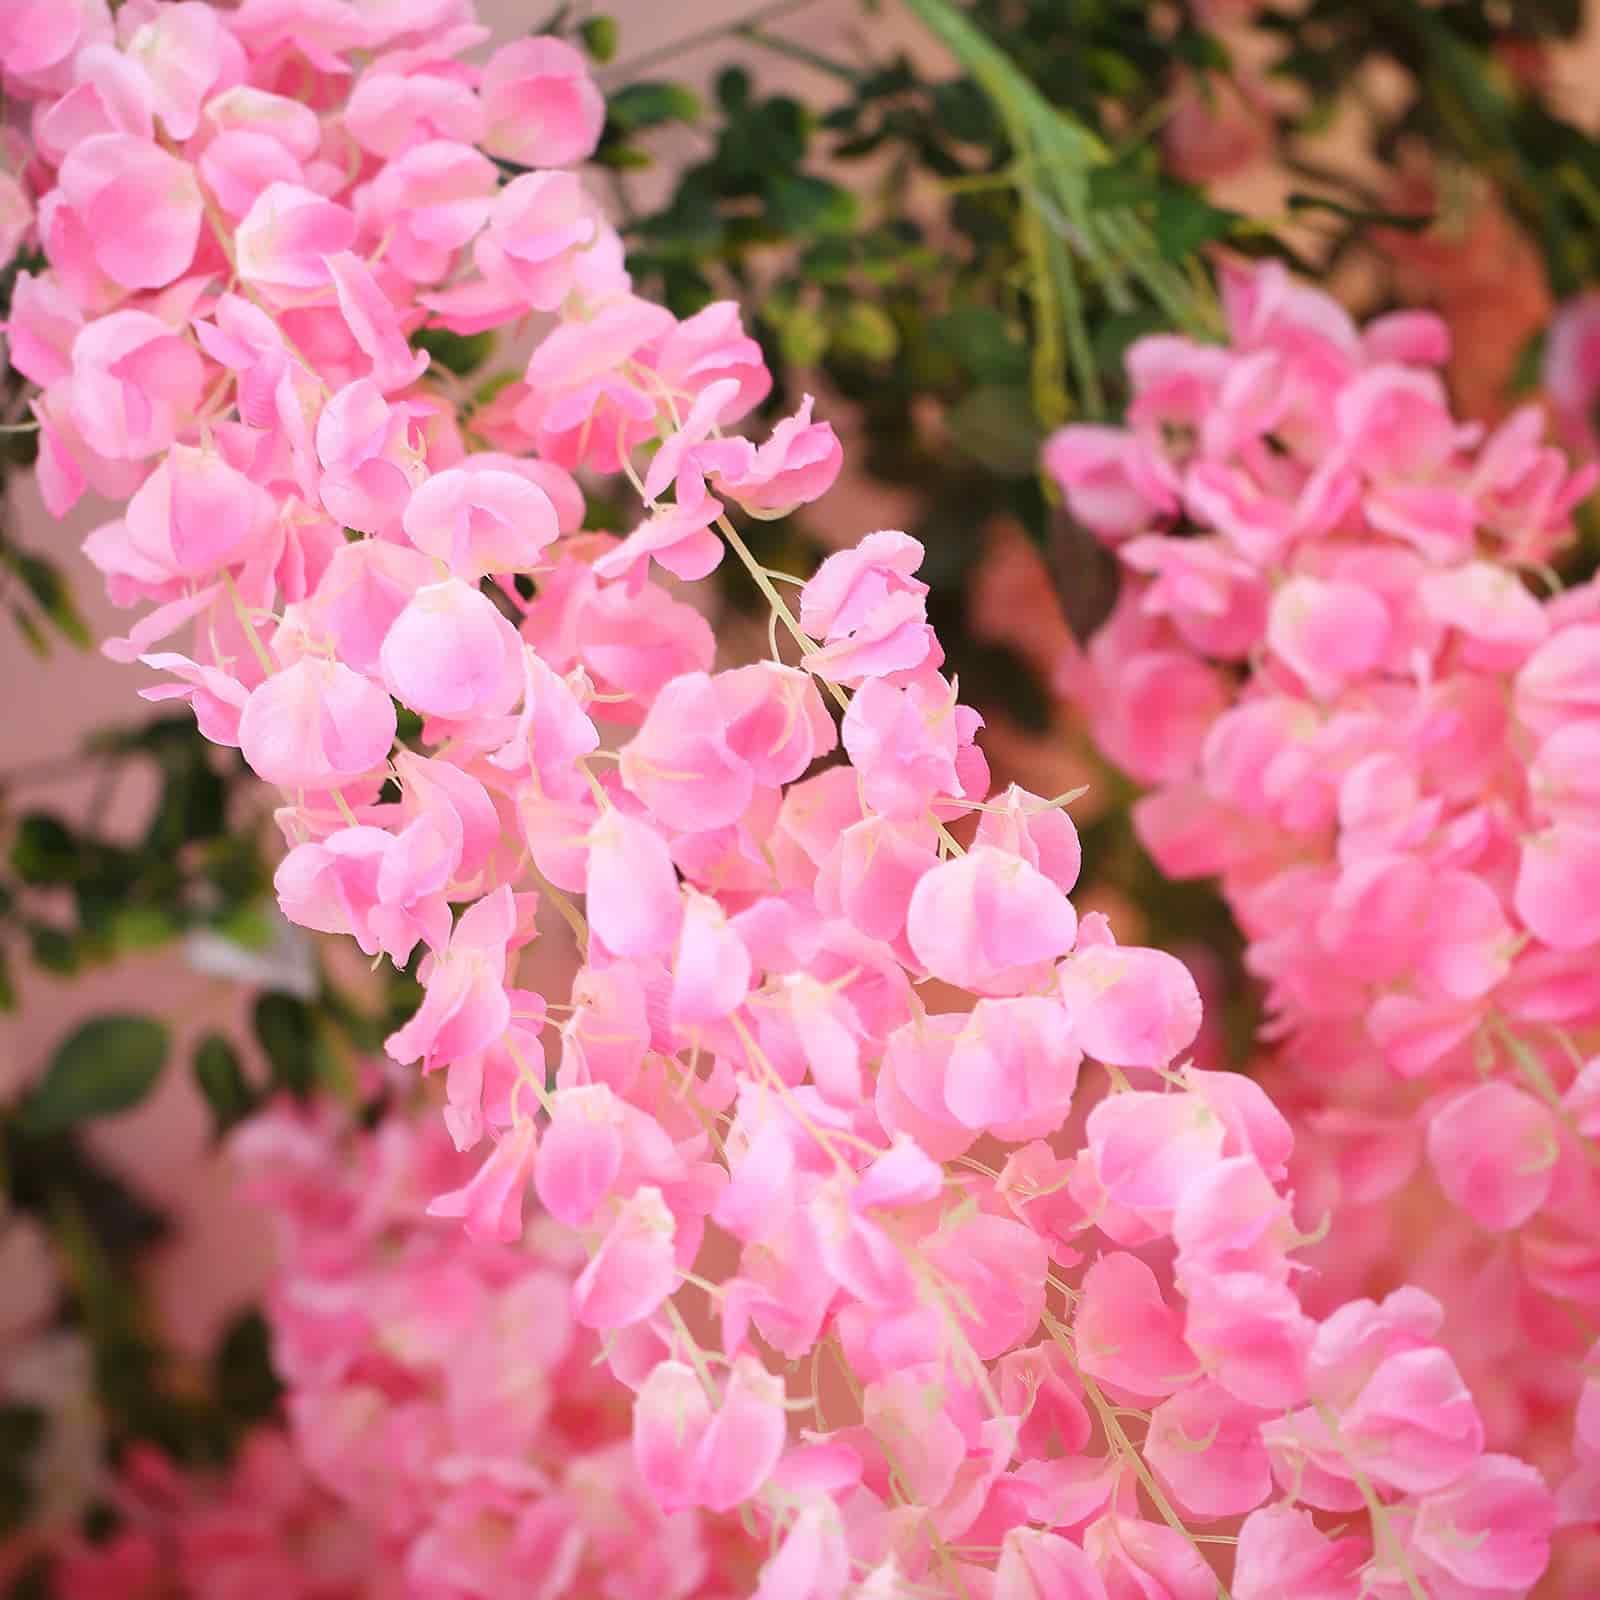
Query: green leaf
[
  {"x": 249, "y": 926},
  {"x": 408, "y": 725},
  {"x": 16, "y": 1501},
  {"x": 799, "y": 203},
  {"x": 32, "y": 634},
  {"x": 1185, "y": 220},
  {"x": 455, "y": 352},
  {"x": 222, "y": 1081},
  {"x": 1115, "y": 333},
  {"x": 8, "y": 987},
  {"x": 44, "y": 582},
  {"x": 733, "y": 89},
  {"x": 53, "y": 597},
  {"x": 1528, "y": 373},
  {"x": 1128, "y": 182},
  {"x": 1203, "y": 50},
  {"x": 997, "y": 427},
  {"x": 649, "y": 105},
  {"x": 1086, "y": 575},
  {"x": 802, "y": 331},
  {"x": 1115, "y": 73},
  {"x": 43, "y": 1174},
  {"x": 108, "y": 1065},
  {"x": 599, "y": 35},
  {"x": 623, "y": 157},
  {"x": 21, "y": 1429},
  {"x": 45, "y": 850},
  {"x": 866, "y": 331},
  {"x": 54, "y": 949},
  {"x": 982, "y": 340},
  {"x": 767, "y": 136},
  {"x": 287, "y": 1033},
  {"x": 247, "y": 1387},
  {"x": 143, "y": 927},
  {"x": 963, "y": 111},
  {"x": 1407, "y": 221}
]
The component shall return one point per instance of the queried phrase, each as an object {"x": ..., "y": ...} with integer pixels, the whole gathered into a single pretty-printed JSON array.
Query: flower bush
[
  {"x": 1352, "y": 703},
  {"x": 852, "y": 1221}
]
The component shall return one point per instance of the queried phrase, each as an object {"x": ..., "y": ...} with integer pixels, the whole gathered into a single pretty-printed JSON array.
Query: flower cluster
[
  {"x": 1331, "y": 664},
  {"x": 868, "y": 1263},
  {"x": 263, "y": 1527},
  {"x": 449, "y": 1433},
  {"x": 442, "y": 1389}
]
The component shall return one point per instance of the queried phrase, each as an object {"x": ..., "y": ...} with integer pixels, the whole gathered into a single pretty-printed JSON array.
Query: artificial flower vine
[{"x": 898, "y": 1237}]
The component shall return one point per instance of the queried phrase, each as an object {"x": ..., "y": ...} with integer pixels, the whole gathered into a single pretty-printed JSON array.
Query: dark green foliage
[
  {"x": 599, "y": 36},
  {"x": 106, "y": 1065},
  {"x": 286, "y": 1029},
  {"x": 456, "y": 352},
  {"x": 221, "y": 1080},
  {"x": 247, "y": 1389},
  {"x": 21, "y": 1431}
]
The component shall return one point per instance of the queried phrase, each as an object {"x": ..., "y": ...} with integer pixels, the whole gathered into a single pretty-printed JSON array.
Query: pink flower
[
  {"x": 1127, "y": 1336},
  {"x": 464, "y": 1005},
  {"x": 540, "y": 105},
  {"x": 134, "y": 384},
  {"x": 193, "y": 516},
  {"x": 428, "y": 204},
  {"x": 374, "y": 324},
  {"x": 1131, "y": 1007},
  {"x": 712, "y": 971},
  {"x": 1494, "y": 1151},
  {"x": 797, "y": 465},
  {"x": 370, "y": 460},
  {"x": 1490, "y": 1531},
  {"x": 315, "y": 725},
  {"x": 634, "y": 1269},
  {"x": 691, "y": 1454},
  {"x": 709, "y": 348},
  {"x": 490, "y": 1204},
  {"x": 450, "y": 653},
  {"x": 853, "y": 583},
  {"x": 1572, "y": 369},
  {"x": 1328, "y": 633},
  {"x": 186, "y": 52},
  {"x": 139, "y": 206},
  {"x": 539, "y": 226},
  {"x": 1207, "y": 1448},
  {"x": 632, "y": 888},
  {"x": 1044, "y": 1566},
  {"x": 218, "y": 700},
  {"x": 1280, "y": 1547},
  {"x": 40, "y": 39},
  {"x": 906, "y": 744},
  {"x": 1013, "y": 1068},
  {"x": 680, "y": 764},
  {"x": 479, "y": 520},
  {"x": 581, "y": 405},
  {"x": 1148, "y": 1150},
  {"x": 1557, "y": 882},
  {"x": 400, "y": 104},
  {"x": 1107, "y": 484},
  {"x": 985, "y": 921},
  {"x": 284, "y": 241}
]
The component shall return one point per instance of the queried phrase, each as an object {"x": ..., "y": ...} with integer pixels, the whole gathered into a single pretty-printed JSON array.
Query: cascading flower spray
[{"x": 1351, "y": 704}]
